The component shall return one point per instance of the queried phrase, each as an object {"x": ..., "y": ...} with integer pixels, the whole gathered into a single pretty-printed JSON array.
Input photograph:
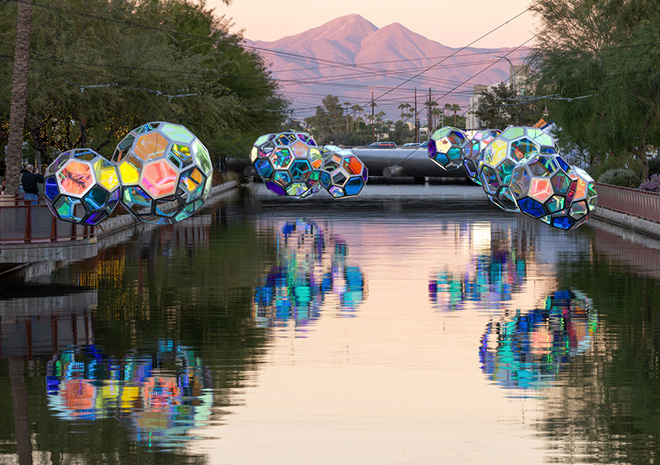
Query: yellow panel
[
  {"x": 128, "y": 173},
  {"x": 108, "y": 178},
  {"x": 497, "y": 152}
]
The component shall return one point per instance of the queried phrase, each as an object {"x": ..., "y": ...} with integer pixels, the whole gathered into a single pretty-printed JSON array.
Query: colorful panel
[
  {"x": 75, "y": 178},
  {"x": 150, "y": 146},
  {"x": 177, "y": 133},
  {"x": 159, "y": 179}
]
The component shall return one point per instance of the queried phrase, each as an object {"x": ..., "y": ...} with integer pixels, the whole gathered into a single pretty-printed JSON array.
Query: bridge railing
[
  {"x": 634, "y": 202},
  {"x": 24, "y": 223}
]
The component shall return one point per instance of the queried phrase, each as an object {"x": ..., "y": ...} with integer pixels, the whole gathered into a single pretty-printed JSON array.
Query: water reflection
[
  {"x": 160, "y": 396},
  {"x": 528, "y": 350},
  {"x": 312, "y": 269},
  {"x": 490, "y": 276}
]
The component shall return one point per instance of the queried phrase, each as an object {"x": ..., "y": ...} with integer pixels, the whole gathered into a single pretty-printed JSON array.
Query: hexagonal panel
[
  {"x": 96, "y": 198},
  {"x": 192, "y": 182},
  {"x": 159, "y": 178},
  {"x": 106, "y": 174},
  {"x": 300, "y": 170},
  {"x": 281, "y": 158},
  {"x": 75, "y": 178},
  {"x": 522, "y": 147},
  {"x": 137, "y": 200},
  {"x": 180, "y": 156},
  {"x": 150, "y": 146},
  {"x": 129, "y": 170},
  {"x": 177, "y": 133}
]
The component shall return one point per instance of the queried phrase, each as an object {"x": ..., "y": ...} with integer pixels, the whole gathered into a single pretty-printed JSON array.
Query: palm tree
[
  {"x": 357, "y": 109},
  {"x": 18, "y": 107},
  {"x": 455, "y": 108},
  {"x": 404, "y": 109},
  {"x": 347, "y": 105}
]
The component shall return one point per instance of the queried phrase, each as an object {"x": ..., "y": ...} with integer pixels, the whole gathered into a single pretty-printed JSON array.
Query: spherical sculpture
[
  {"x": 473, "y": 151},
  {"x": 446, "y": 147},
  {"x": 547, "y": 188},
  {"x": 502, "y": 155},
  {"x": 82, "y": 187},
  {"x": 289, "y": 163},
  {"x": 344, "y": 174},
  {"x": 165, "y": 172}
]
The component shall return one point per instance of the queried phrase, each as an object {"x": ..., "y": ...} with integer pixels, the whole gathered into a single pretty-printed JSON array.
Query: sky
[{"x": 443, "y": 21}]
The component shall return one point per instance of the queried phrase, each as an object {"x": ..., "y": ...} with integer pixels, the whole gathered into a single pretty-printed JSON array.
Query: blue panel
[
  {"x": 354, "y": 186},
  {"x": 51, "y": 190},
  {"x": 562, "y": 222},
  {"x": 531, "y": 207}
]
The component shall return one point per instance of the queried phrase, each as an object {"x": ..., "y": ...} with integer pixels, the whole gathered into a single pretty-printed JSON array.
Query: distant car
[
  {"x": 410, "y": 145},
  {"x": 382, "y": 145}
]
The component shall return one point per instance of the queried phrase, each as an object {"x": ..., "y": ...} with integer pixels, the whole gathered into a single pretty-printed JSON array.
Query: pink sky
[{"x": 451, "y": 23}]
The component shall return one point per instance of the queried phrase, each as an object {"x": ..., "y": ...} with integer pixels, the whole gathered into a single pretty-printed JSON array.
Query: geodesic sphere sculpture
[
  {"x": 344, "y": 174},
  {"x": 473, "y": 151},
  {"x": 82, "y": 187},
  {"x": 547, "y": 188},
  {"x": 289, "y": 163},
  {"x": 584, "y": 202},
  {"x": 446, "y": 147},
  {"x": 502, "y": 155},
  {"x": 165, "y": 172}
]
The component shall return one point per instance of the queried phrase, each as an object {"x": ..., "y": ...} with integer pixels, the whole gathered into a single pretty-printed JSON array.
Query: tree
[
  {"x": 105, "y": 70},
  {"x": 18, "y": 106},
  {"x": 500, "y": 107},
  {"x": 599, "y": 63}
]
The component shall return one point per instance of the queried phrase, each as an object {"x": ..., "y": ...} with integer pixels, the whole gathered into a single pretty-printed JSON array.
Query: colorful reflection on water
[
  {"x": 528, "y": 350},
  {"x": 159, "y": 396},
  {"x": 311, "y": 266}
]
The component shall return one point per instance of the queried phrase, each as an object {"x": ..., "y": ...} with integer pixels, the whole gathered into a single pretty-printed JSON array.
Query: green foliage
[
  {"x": 620, "y": 177},
  {"x": 501, "y": 107},
  {"x": 99, "y": 68},
  {"x": 600, "y": 61},
  {"x": 654, "y": 166}
]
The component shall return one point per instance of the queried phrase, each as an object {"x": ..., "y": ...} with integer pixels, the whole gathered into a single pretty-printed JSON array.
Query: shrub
[
  {"x": 652, "y": 184},
  {"x": 620, "y": 177},
  {"x": 654, "y": 166}
]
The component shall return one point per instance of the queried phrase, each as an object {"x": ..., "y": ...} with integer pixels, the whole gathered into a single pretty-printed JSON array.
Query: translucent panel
[
  {"x": 296, "y": 189},
  {"x": 531, "y": 207},
  {"x": 147, "y": 128},
  {"x": 561, "y": 183},
  {"x": 180, "y": 156},
  {"x": 282, "y": 140},
  {"x": 96, "y": 198},
  {"x": 106, "y": 174},
  {"x": 65, "y": 207},
  {"x": 441, "y": 159},
  {"x": 123, "y": 147},
  {"x": 150, "y": 146},
  {"x": 58, "y": 163},
  {"x": 306, "y": 138},
  {"x": 339, "y": 179},
  {"x": 281, "y": 158},
  {"x": 578, "y": 210},
  {"x": 540, "y": 189},
  {"x": 299, "y": 149},
  {"x": 185, "y": 213},
  {"x": 454, "y": 154},
  {"x": 562, "y": 222},
  {"x": 275, "y": 188},
  {"x": 495, "y": 153},
  {"x": 177, "y": 133},
  {"x": 326, "y": 180},
  {"x": 353, "y": 165},
  {"x": 354, "y": 186},
  {"x": 192, "y": 181},
  {"x": 333, "y": 163},
  {"x": 51, "y": 189},
  {"x": 537, "y": 168},
  {"x": 282, "y": 178},
  {"x": 504, "y": 170},
  {"x": 84, "y": 154},
  {"x": 555, "y": 204},
  {"x": 264, "y": 168},
  {"x": 159, "y": 179},
  {"x": 300, "y": 169},
  {"x": 520, "y": 148},
  {"x": 113, "y": 200},
  {"x": 203, "y": 158},
  {"x": 315, "y": 158},
  {"x": 137, "y": 200},
  {"x": 163, "y": 207},
  {"x": 254, "y": 154},
  {"x": 513, "y": 133},
  {"x": 96, "y": 217},
  {"x": 129, "y": 170},
  {"x": 456, "y": 137},
  {"x": 75, "y": 178},
  {"x": 336, "y": 191},
  {"x": 262, "y": 140},
  {"x": 441, "y": 133},
  {"x": 489, "y": 180}
]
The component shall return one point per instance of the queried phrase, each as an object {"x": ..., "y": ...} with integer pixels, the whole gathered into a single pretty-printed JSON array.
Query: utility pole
[
  {"x": 373, "y": 122},
  {"x": 416, "y": 118},
  {"x": 429, "y": 114}
]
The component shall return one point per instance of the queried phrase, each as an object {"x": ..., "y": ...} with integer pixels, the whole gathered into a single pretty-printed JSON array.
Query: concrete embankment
[{"x": 628, "y": 223}]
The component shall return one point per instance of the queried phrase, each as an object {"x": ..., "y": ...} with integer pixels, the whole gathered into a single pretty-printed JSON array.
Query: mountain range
[{"x": 350, "y": 57}]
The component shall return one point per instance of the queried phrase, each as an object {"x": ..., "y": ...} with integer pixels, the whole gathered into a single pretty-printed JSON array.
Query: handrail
[
  {"x": 15, "y": 208},
  {"x": 636, "y": 202}
]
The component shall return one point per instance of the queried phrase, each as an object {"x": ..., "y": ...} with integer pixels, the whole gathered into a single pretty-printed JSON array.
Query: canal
[{"x": 415, "y": 324}]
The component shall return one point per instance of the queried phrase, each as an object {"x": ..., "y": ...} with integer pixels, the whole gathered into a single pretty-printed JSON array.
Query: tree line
[{"x": 99, "y": 68}]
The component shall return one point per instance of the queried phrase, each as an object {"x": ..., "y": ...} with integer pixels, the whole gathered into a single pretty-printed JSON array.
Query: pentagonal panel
[
  {"x": 150, "y": 146},
  {"x": 159, "y": 179}
]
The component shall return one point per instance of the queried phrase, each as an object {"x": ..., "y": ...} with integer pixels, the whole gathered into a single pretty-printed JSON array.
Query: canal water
[{"x": 411, "y": 325}]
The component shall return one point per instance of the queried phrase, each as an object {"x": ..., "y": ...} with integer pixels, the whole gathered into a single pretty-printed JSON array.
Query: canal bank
[{"x": 30, "y": 260}]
